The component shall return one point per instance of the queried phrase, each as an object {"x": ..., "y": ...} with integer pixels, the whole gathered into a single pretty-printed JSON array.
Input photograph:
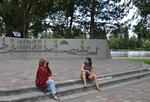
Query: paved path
[
  {"x": 135, "y": 91},
  {"x": 22, "y": 72}
]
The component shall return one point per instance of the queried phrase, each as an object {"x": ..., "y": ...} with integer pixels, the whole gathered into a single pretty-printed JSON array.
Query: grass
[{"x": 146, "y": 60}]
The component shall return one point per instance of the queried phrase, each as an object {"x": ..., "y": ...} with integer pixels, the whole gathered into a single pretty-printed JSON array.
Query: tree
[
  {"x": 95, "y": 14},
  {"x": 142, "y": 28},
  {"x": 92, "y": 17},
  {"x": 143, "y": 6},
  {"x": 63, "y": 17},
  {"x": 147, "y": 44},
  {"x": 18, "y": 15},
  {"x": 2, "y": 27},
  {"x": 133, "y": 42},
  {"x": 70, "y": 9}
]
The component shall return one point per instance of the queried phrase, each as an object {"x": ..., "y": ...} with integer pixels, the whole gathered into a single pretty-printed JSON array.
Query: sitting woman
[
  {"x": 44, "y": 79},
  {"x": 87, "y": 73}
]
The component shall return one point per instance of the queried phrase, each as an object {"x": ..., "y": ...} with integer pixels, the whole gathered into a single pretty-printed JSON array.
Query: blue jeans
[{"x": 51, "y": 86}]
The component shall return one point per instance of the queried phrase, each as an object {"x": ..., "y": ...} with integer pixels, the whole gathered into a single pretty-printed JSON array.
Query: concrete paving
[
  {"x": 135, "y": 91},
  {"x": 22, "y": 72}
]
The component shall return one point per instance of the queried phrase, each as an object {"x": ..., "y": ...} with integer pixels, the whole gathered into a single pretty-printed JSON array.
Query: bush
[{"x": 147, "y": 44}]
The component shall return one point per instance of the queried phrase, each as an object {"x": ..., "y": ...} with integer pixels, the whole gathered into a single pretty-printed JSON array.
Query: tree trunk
[
  {"x": 8, "y": 26},
  {"x": 25, "y": 27},
  {"x": 8, "y": 31},
  {"x": 92, "y": 24}
]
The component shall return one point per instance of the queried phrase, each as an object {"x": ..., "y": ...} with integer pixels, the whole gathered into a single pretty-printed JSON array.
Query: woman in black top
[{"x": 87, "y": 72}]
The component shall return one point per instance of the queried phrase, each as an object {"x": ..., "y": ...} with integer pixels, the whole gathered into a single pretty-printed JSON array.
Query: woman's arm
[
  {"x": 50, "y": 77},
  {"x": 83, "y": 70},
  {"x": 50, "y": 74},
  {"x": 92, "y": 70}
]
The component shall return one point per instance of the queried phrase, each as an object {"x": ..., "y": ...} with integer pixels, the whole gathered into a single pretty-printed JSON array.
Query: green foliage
[
  {"x": 143, "y": 6},
  {"x": 147, "y": 44},
  {"x": 142, "y": 31},
  {"x": 18, "y": 15},
  {"x": 70, "y": 18},
  {"x": 140, "y": 43},
  {"x": 142, "y": 27},
  {"x": 114, "y": 43},
  {"x": 76, "y": 33},
  {"x": 133, "y": 42}
]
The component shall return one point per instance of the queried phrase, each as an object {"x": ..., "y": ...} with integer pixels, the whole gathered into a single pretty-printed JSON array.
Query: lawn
[{"x": 146, "y": 60}]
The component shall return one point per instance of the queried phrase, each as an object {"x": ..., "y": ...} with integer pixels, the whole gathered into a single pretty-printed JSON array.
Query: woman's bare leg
[
  {"x": 84, "y": 78},
  {"x": 96, "y": 82}
]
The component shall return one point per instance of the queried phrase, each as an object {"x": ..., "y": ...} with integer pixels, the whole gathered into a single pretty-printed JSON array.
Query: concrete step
[
  {"x": 27, "y": 89},
  {"x": 68, "y": 90}
]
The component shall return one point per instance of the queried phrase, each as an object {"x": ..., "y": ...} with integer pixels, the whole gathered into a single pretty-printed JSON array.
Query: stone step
[
  {"x": 69, "y": 97},
  {"x": 27, "y": 89},
  {"x": 68, "y": 90},
  {"x": 73, "y": 96}
]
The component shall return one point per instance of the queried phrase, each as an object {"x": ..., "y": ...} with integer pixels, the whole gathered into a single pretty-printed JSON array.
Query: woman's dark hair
[{"x": 88, "y": 61}]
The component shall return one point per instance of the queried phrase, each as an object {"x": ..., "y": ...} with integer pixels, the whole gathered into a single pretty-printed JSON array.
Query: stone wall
[{"x": 57, "y": 48}]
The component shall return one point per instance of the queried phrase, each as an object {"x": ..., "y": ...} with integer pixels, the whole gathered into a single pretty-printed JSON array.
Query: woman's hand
[
  {"x": 50, "y": 78},
  {"x": 88, "y": 71}
]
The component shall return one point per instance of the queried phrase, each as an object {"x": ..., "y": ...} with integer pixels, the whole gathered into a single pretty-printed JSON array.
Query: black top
[{"x": 88, "y": 67}]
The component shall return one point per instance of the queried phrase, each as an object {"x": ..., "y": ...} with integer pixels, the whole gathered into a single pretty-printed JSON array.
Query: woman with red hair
[{"x": 44, "y": 79}]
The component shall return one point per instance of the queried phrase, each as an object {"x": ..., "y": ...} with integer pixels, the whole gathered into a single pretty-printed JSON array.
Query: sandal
[
  {"x": 85, "y": 86},
  {"x": 98, "y": 89},
  {"x": 56, "y": 98}
]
